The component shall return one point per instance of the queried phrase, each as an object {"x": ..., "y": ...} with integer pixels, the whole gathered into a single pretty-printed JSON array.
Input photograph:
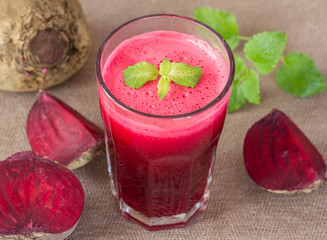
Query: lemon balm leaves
[
  {"x": 182, "y": 74},
  {"x": 265, "y": 49},
  {"x": 251, "y": 87},
  {"x": 223, "y": 22},
  {"x": 245, "y": 86},
  {"x": 300, "y": 76},
  {"x": 138, "y": 74},
  {"x": 239, "y": 66},
  {"x": 246, "y": 81},
  {"x": 237, "y": 99}
]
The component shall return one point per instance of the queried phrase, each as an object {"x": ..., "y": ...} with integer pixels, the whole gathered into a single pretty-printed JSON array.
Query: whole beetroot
[{"x": 42, "y": 43}]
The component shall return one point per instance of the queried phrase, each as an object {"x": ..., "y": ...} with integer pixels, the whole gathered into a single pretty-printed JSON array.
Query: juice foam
[{"x": 153, "y": 47}]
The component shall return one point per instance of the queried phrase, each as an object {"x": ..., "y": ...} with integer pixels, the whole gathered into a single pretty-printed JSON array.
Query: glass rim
[{"x": 184, "y": 115}]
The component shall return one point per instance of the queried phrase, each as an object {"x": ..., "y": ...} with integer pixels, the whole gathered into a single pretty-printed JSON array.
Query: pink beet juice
[{"x": 161, "y": 152}]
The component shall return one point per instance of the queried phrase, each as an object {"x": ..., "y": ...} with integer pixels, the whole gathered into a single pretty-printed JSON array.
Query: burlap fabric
[{"x": 238, "y": 209}]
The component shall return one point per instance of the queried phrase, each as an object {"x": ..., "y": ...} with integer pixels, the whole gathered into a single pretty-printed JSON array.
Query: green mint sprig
[
  {"x": 298, "y": 76},
  {"x": 181, "y": 73},
  {"x": 136, "y": 75}
]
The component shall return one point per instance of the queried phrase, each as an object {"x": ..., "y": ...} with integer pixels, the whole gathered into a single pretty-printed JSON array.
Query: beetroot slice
[
  {"x": 280, "y": 158},
  {"x": 58, "y": 132},
  {"x": 38, "y": 196}
]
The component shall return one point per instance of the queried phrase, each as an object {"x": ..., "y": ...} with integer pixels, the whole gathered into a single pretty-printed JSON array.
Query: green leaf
[
  {"x": 300, "y": 76},
  {"x": 245, "y": 86},
  {"x": 237, "y": 98},
  {"x": 239, "y": 66},
  {"x": 251, "y": 87},
  {"x": 181, "y": 73},
  {"x": 138, "y": 74},
  {"x": 163, "y": 87},
  {"x": 265, "y": 49},
  {"x": 165, "y": 67},
  {"x": 223, "y": 22}
]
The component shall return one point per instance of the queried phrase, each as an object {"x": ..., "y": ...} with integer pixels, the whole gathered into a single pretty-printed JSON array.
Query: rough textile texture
[{"x": 237, "y": 209}]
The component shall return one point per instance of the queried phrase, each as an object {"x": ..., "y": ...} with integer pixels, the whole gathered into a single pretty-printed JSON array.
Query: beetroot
[
  {"x": 280, "y": 158},
  {"x": 59, "y": 133},
  {"x": 42, "y": 43},
  {"x": 38, "y": 198}
]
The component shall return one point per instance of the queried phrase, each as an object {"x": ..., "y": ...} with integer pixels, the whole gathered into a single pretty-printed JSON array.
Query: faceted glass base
[{"x": 165, "y": 222}]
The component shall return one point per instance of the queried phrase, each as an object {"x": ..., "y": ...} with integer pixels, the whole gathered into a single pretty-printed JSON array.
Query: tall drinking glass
[{"x": 161, "y": 166}]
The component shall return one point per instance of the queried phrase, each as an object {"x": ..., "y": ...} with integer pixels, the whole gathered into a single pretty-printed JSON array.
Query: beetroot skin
[
  {"x": 280, "y": 158},
  {"x": 38, "y": 198},
  {"x": 59, "y": 133}
]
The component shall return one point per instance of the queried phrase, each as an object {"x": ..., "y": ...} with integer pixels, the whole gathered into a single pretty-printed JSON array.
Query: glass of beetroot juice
[{"x": 161, "y": 152}]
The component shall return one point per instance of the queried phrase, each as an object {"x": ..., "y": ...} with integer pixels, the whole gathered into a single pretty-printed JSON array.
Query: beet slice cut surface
[
  {"x": 58, "y": 132},
  {"x": 38, "y": 198},
  {"x": 280, "y": 158}
]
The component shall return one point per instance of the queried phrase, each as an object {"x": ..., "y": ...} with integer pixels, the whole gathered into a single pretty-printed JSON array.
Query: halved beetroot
[
  {"x": 280, "y": 158},
  {"x": 39, "y": 199},
  {"x": 59, "y": 133}
]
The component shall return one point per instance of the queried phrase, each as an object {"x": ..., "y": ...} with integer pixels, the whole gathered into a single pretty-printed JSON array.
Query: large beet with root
[{"x": 42, "y": 43}]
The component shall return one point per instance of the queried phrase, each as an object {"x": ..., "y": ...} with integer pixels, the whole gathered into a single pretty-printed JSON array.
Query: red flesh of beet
[
  {"x": 58, "y": 132},
  {"x": 280, "y": 158},
  {"x": 38, "y": 196}
]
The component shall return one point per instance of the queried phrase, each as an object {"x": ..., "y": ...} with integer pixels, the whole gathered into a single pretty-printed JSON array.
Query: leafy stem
[
  {"x": 244, "y": 38},
  {"x": 283, "y": 60},
  {"x": 298, "y": 76}
]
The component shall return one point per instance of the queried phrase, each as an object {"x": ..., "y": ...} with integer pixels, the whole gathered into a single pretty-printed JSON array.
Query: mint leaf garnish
[
  {"x": 300, "y": 76},
  {"x": 163, "y": 87},
  {"x": 245, "y": 86},
  {"x": 165, "y": 67},
  {"x": 223, "y": 22},
  {"x": 180, "y": 73},
  {"x": 265, "y": 49},
  {"x": 136, "y": 75}
]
